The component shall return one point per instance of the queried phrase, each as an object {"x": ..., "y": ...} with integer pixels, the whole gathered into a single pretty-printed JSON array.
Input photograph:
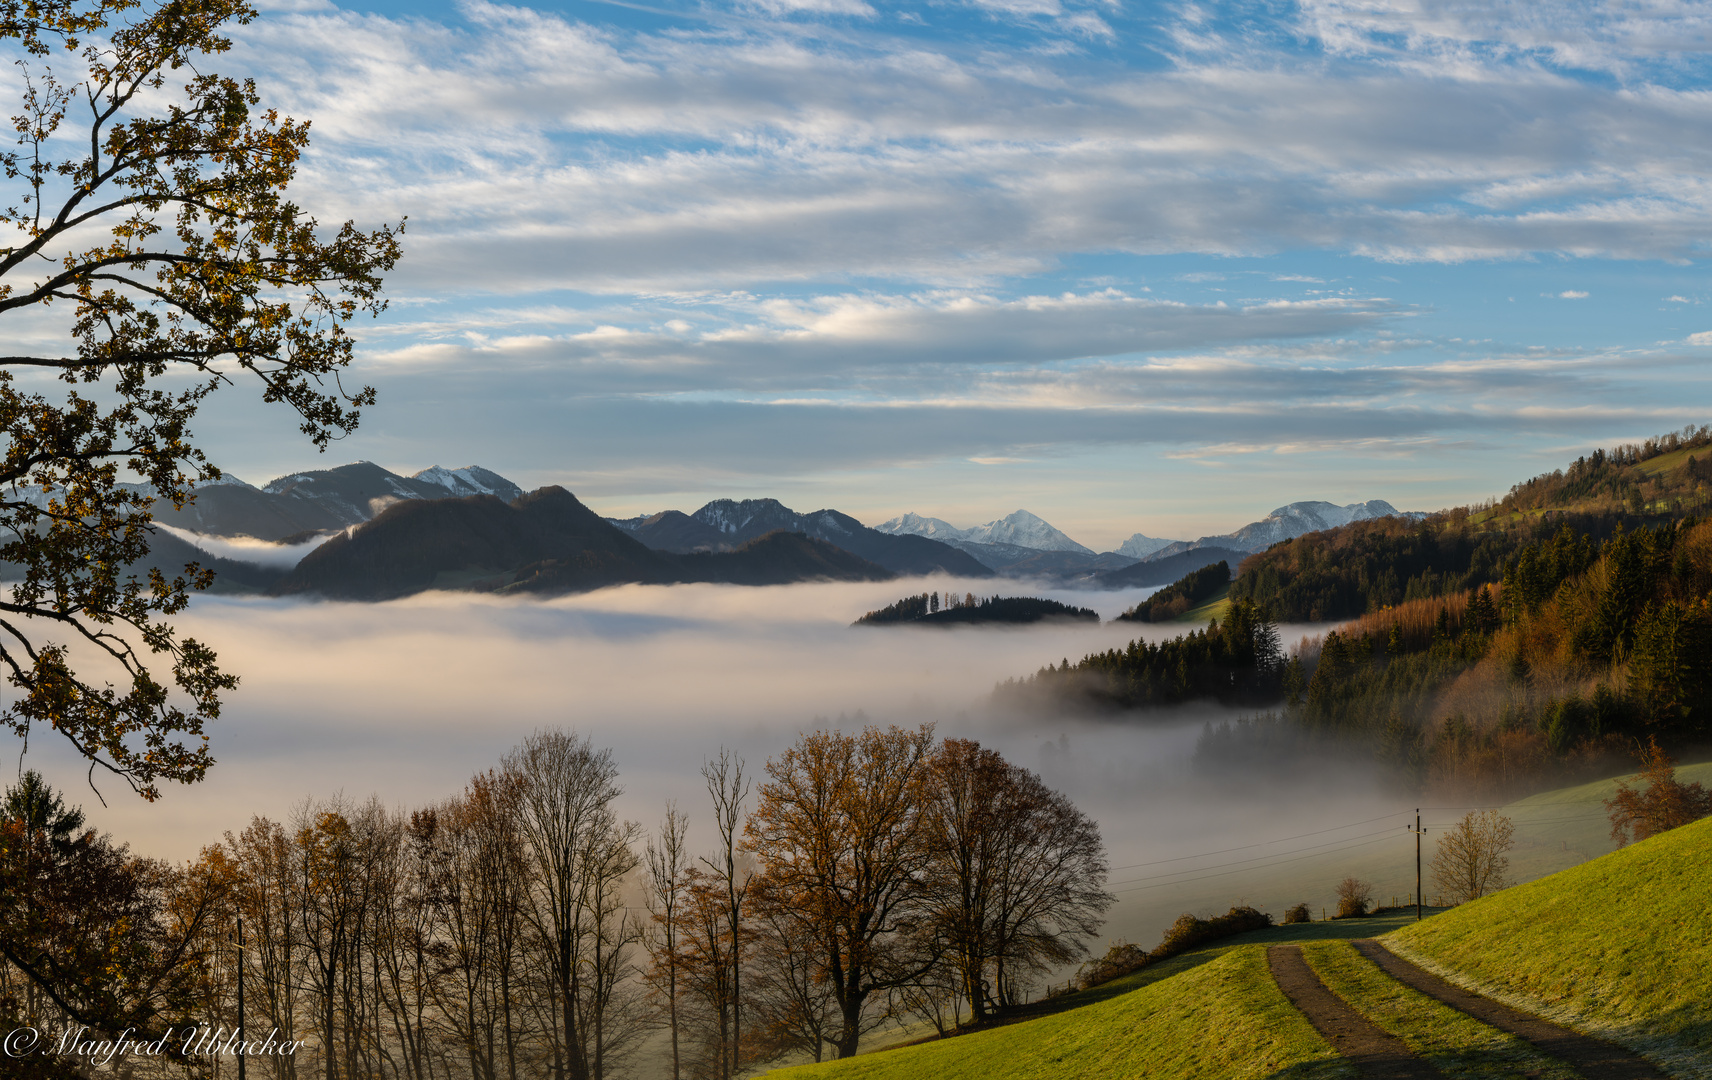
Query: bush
[
  {"x": 1188, "y": 931},
  {"x": 1354, "y": 897},
  {"x": 1298, "y": 914},
  {"x": 1120, "y": 959}
]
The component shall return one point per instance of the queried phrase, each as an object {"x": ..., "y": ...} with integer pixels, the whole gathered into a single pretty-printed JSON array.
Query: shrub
[
  {"x": 1298, "y": 914},
  {"x": 1120, "y": 959},
  {"x": 1354, "y": 897},
  {"x": 1186, "y": 933},
  {"x": 1189, "y": 931}
]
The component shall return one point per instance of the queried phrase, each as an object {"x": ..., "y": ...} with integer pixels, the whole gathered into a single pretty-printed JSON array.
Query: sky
[{"x": 1154, "y": 267}]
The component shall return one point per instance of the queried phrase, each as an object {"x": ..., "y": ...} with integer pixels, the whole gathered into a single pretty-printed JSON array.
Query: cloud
[
  {"x": 247, "y": 549},
  {"x": 537, "y": 153},
  {"x": 1572, "y": 294}
]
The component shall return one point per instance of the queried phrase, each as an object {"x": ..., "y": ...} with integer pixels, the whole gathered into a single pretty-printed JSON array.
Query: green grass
[
  {"x": 1214, "y": 608},
  {"x": 1620, "y": 947},
  {"x": 1458, "y": 1045},
  {"x": 1221, "y": 1020}
]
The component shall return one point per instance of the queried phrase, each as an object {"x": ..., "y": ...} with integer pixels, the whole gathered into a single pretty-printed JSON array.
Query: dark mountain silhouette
[
  {"x": 674, "y": 530},
  {"x": 545, "y": 542},
  {"x": 1170, "y": 569},
  {"x": 727, "y": 524}
]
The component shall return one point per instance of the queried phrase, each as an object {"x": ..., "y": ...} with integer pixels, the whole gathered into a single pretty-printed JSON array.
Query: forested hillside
[
  {"x": 1368, "y": 565},
  {"x": 1492, "y": 647}
]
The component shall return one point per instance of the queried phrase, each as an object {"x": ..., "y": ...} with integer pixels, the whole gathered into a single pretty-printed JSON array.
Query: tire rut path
[
  {"x": 1594, "y": 1059},
  {"x": 1375, "y": 1054}
]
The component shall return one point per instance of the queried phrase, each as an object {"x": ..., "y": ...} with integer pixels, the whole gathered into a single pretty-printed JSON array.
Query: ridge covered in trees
[
  {"x": 1238, "y": 662},
  {"x": 930, "y": 610},
  {"x": 1491, "y": 648}
]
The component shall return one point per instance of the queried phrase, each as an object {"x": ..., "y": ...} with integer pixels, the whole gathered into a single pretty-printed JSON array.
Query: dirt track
[
  {"x": 1593, "y": 1058},
  {"x": 1377, "y": 1055}
]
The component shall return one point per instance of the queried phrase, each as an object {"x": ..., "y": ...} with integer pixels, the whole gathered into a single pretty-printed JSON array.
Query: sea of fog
[{"x": 405, "y": 700}]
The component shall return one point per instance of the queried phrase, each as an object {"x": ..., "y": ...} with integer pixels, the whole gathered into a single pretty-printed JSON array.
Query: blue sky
[{"x": 1135, "y": 267}]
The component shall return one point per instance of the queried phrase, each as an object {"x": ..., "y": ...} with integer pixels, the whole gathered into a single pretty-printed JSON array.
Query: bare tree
[
  {"x": 564, "y": 789},
  {"x": 729, "y": 789},
  {"x": 667, "y": 861},
  {"x": 1471, "y": 859}
]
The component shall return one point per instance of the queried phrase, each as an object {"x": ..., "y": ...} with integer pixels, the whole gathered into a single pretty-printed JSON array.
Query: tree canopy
[{"x": 157, "y": 243}]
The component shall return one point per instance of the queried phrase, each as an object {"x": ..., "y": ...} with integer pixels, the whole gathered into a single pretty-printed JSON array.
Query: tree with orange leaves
[
  {"x": 839, "y": 833},
  {"x": 1663, "y": 804}
]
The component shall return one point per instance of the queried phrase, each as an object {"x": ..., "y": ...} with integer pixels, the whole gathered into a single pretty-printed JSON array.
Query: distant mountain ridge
[
  {"x": 1020, "y": 529},
  {"x": 323, "y": 499},
  {"x": 546, "y": 542},
  {"x": 726, "y": 524},
  {"x": 1289, "y": 522}
]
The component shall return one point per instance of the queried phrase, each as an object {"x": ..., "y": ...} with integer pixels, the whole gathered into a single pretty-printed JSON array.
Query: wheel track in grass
[
  {"x": 1375, "y": 1054},
  {"x": 1594, "y": 1059}
]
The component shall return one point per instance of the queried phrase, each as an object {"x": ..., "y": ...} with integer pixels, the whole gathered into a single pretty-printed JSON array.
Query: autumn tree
[
  {"x": 728, "y": 789},
  {"x": 1472, "y": 858},
  {"x": 1665, "y": 802},
  {"x": 90, "y": 935},
  {"x": 1016, "y": 873},
  {"x": 838, "y": 832},
  {"x": 148, "y": 226}
]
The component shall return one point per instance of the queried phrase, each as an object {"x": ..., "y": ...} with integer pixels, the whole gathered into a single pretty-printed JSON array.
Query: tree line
[
  {"x": 521, "y": 928},
  {"x": 928, "y": 608},
  {"x": 1583, "y": 650},
  {"x": 1366, "y": 566},
  {"x": 1239, "y": 661}
]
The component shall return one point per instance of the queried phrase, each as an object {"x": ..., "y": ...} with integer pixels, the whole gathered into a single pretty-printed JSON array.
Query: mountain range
[
  {"x": 726, "y": 524},
  {"x": 381, "y": 534},
  {"x": 544, "y": 542},
  {"x": 322, "y": 499}
]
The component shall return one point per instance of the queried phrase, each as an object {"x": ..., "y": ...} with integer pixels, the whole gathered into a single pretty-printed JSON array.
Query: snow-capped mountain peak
[
  {"x": 1024, "y": 530},
  {"x": 469, "y": 480},
  {"x": 1021, "y": 529},
  {"x": 1140, "y": 546},
  {"x": 913, "y": 524}
]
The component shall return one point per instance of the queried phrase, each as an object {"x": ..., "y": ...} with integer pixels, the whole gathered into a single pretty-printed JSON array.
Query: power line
[
  {"x": 1258, "y": 858},
  {"x": 1227, "y": 873},
  {"x": 1263, "y": 843}
]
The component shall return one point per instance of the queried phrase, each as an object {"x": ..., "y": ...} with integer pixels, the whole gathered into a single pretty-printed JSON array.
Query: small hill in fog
[{"x": 923, "y": 611}]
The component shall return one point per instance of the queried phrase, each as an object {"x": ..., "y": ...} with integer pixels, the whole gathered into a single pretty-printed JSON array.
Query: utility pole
[{"x": 1419, "y": 832}]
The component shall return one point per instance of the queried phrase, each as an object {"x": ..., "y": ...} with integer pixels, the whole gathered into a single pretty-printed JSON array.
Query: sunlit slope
[
  {"x": 1222, "y": 1020},
  {"x": 1620, "y": 946}
]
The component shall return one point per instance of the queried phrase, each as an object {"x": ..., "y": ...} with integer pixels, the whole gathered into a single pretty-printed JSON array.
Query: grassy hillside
[
  {"x": 1621, "y": 947},
  {"x": 1635, "y": 916},
  {"x": 1222, "y": 1018}
]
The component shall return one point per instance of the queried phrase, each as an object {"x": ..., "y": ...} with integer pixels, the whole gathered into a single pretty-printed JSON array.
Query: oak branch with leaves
[{"x": 145, "y": 218}]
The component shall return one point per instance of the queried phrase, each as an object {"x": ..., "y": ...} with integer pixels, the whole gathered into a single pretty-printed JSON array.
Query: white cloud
[
  {"x": 1704, "y": 337},
  {"x": 1572, "y": 294},
  {"x": 535, "y": 153}
]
